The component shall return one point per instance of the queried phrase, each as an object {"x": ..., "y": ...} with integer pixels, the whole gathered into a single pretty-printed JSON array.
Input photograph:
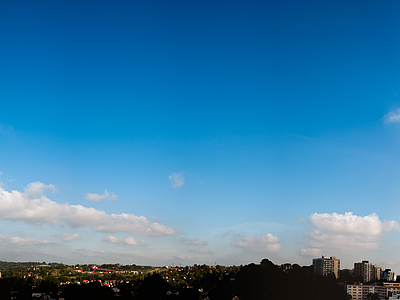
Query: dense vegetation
[{"x": 254, "y": 281}]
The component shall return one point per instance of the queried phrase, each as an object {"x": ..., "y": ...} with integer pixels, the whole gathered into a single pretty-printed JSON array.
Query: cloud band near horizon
[{"x": 32, "y": 206}]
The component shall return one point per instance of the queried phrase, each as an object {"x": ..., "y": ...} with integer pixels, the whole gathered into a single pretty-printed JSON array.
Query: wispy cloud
[
  {"x": 346, "y": 232},
  {"x": 185, "y": 258},
  {"x": 8, "y": 179},
  {"x": 112, "y": 239},
  {"x": 177, "y": 179},
  {"x": 22, "y": 242},
  {"x": 97, "y": 197},
  {"x": 103, "y": 255},
  {"x": 266, "y": 243},
  {"x": 127, "y": 241},
  {"x": 67, "y": 237},
  {"x": 32, "y": 206},
  {"x": 201, "y": 250},
  {"x": 196, "y": 241},
  {"x": 392, "y": 117},
  {"x": 252, "y": 228},
  {"x": 6, "y": 128},
  {"x": 156, "y": 219},
  {"x": 310, "y": 252}
]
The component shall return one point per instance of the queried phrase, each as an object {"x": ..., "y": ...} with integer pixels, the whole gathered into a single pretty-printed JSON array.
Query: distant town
[{"x": 322, "y": 280}]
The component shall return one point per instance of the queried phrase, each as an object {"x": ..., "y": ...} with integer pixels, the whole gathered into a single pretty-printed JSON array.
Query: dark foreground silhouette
[{"x": 253, "y": 282}]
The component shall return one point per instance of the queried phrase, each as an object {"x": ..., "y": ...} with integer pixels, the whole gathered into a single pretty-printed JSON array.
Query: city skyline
[{"x": 193, "y": 133}]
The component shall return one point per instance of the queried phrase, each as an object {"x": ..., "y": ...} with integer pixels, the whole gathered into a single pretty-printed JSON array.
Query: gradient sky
[{"x": 176, "y": 132}]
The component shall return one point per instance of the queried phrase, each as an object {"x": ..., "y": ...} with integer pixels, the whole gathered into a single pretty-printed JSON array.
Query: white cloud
[
  {"x": 346, "y": 232},
  {"x": 132, "y": 242},
  {"x": 349, "y": 223},
  {"x": 17, "y": 241},
  {"x": 311, "y": 252},
  {"x": 390, "y": 226},
  {"x": 112, "y": 239},
  {"x": 97, "y": 197},
  {"x": 35, "y": 189},
  {"x": 201, "y": 250},
  {"x": 177, "y": 179},
  {"x": 127, "y": 241},
  {"x": 186, "y": 258},
  {"x": 267, "y": 243},
  {"x": 195, "y": 241},
  {"x": 36, "y": 208},
  {"x": 67, "y": 237},
  {"x": 392, "y": 117},
  {"x": 325, "y": 241}
]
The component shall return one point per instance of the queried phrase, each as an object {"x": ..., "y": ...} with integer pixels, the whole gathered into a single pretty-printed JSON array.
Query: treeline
[
  {"x": 250, "y": 282},
  {"x": 269, "y": 281}
]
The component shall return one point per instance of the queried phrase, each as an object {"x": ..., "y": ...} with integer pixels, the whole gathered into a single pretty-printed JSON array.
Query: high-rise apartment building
[
  {"x": 377, "y": 273},
  {"x": 324, "y": 266},
  {"x": 365, "y": 270},
  {"x": 389, "y": 275}
]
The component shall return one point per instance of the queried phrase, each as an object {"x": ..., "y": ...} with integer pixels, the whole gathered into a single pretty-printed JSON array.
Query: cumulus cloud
[
  {"x": 196, "y": 241},
  {"x": 346, "y": 231},
  {"x": 127, "y": 241},
  {"x": 265, "y": 243},
  {"x": 35, "y": 189},
  {"x": 177, "y": 179},
  {"x": 34, "y": 207},
  {"x": 201, "y": 250},
  {"x": 392, "y": 117},
  {"x": 22, "y": 242},
  {"x": 97, "y": 197},
  {"x": 67, "y": 237},
  {"x": 132, "y": 242},
  {"x": 347, "y": 223}
]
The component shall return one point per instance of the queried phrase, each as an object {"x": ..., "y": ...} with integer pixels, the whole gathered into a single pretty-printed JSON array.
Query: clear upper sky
[{"x": 161, "y": 132}]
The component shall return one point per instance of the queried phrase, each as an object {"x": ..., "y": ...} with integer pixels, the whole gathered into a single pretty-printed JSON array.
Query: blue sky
[{"x": 165, "y": 132}]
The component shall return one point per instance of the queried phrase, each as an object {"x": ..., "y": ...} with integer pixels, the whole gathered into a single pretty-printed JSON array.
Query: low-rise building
[
  {"x": 394, "y": 296},
  {"x": 361, "y": 291}
]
